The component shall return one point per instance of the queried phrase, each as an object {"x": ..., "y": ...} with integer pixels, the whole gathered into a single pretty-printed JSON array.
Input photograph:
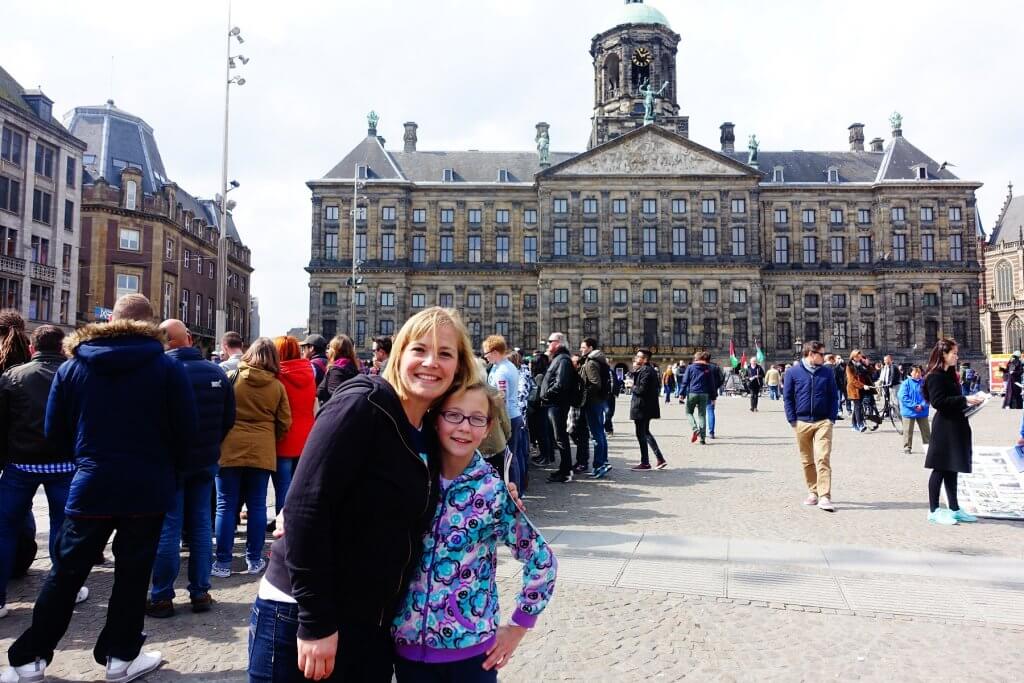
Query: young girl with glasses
[{"x": 447, "y": 624}]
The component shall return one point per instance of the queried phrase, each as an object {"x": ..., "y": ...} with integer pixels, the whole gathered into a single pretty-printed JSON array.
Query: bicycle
[{"x": 889, "y": 411}]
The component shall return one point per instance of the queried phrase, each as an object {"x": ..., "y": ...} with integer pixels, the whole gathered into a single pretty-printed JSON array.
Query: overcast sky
[{"x": 478, "y": 74}]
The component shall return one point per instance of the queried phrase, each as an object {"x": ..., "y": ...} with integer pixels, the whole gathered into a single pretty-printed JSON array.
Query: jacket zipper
[
  {"x": 416, "y": 457},
  {"x": 433, "y": 556}
]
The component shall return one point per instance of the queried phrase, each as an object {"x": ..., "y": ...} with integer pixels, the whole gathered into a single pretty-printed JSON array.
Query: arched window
[
  {"x": 611, "y": 77},
  {"x": 1004, "y": 281},
  {"x": 1014, "y": 339}
]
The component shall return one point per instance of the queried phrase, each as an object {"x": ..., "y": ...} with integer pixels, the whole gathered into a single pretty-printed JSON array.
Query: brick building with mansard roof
[
  {"x": 650, "y": 238},
  {"x": 141, "y": 232},
  {"x": 1002, "y": 294}
]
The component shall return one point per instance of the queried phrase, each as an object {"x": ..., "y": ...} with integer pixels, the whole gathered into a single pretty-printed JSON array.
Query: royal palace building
[{"x": 649, "y": 238}]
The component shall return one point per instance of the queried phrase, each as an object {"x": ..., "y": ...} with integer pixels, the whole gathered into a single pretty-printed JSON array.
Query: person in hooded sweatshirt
[
  {"x": 122, "y": 410},
  {"x": 299, "y": 382},
  {"x": 249, "y": 454},
  {"x": 913, "y": 408}
]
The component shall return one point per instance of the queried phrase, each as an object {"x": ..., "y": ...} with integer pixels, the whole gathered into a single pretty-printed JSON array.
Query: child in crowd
[
  {"x": 447, "y": 625},
  {"x": 913, "y": 408}
]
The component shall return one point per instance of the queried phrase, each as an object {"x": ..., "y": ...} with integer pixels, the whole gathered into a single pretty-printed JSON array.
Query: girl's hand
[
  {"x": 513, "y": 493},
  {"x": 279, "y": 524},
  {"x": 316, "y": 657},
  {"x": 505, "y": 643}
]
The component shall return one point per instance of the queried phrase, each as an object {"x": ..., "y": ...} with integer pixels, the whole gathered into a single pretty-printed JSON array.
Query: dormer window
[
  {"x": 448, "y": 175},
  {"x": 777, "y": 175},
  {"x": 503, "y": 175},
  {"x": 130, "y": 188},
  {"x": 197, "y": 225},
  {"x": 921, "y": 172},
  {"x": 833, "y": 174},
  {"x": 362, "y": 172}
]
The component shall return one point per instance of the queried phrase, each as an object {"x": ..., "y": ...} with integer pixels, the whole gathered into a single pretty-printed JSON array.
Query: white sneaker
[
  {"x": 26, "y": 673},
  {"x": 120, "y": 671},
  {"x": 825, "y": 503},
  {"x": 83, "y": 595}
]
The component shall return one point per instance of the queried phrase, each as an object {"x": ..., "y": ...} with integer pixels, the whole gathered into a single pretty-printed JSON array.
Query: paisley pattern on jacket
[{"x": 452, "y": 601}]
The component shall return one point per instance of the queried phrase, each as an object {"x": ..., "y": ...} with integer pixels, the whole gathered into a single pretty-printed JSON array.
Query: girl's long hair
[
  {"x": 342, "y": 347},
  {"x": 14, "y": 342},
  {"x": 936, "y": 363}
]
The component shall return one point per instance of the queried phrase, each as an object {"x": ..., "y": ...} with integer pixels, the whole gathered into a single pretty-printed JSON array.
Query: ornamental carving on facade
[{"x": 650, "y": 154}]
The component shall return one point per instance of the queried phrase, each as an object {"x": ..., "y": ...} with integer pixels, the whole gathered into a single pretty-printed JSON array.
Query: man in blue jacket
[
  {"x": 215, "y": 404},
  {"x": 122, "y": 411},
  {"x": 812, "y": 406},
  {"x": 699, "y": 384}
]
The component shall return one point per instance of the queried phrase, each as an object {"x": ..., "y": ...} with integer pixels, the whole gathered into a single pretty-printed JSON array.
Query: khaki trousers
[
  {"x": 814, "y": 439},
  {"x": 908, "y": 431}
]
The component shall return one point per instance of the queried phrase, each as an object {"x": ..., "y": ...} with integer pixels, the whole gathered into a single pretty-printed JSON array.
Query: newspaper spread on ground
[{"x": 995, "y": 489}]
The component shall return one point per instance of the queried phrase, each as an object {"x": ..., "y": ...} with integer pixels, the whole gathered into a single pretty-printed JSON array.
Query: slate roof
[
  {"x": 812, "y": 167},
  {"x": 1008, "y": 226},
  {"x": 113, "y": 133},
  {"x": 900, "y": 159},
  {"x": 12, "y": 93},
  {"x": 473, "y": 167}
]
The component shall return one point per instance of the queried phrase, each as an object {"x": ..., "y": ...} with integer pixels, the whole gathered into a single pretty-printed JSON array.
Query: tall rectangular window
[
  {"x": 475, "y": 216},
  {"x": 710, "y": 332},
  {"x": 447, "y": 216},
  {"x": 560, "y": 206},
  {"x": 44, "y": 160},
  {"x": 447, "y": 300},
  {"x": 739, "y": 296},
  {"x": 361, "y": 246},
  {"x": 501, "y": 300},
  {"x": 708, "y": 207},
  {"x": 69, "y": 215},
  {"x": 11, "y": 145},
  {"x": 709, "y": 241},
  {"x": 129, "y": 239},
  {"x": 387, "y": 299},
  {"x": 679, "y": 241},
  {"x": 560, "y": 295},
  {"x": 867, "y": 335},
  {"x": 39, "y": 302},
  {"x": 40, "y": 250},
  {"x": 387, "y": 246},
  {"x": 131, "y": 191},
  {"x": 650, "y": 332},
  {"x": 65, "y": 261},
  {"x": 783, "y": 336},
  {"x": 447, "y": 244},
  {"x": 330, "y": 298},
  {"x": 619, "y": 242},
  {"x": 783, "y": 301},
  {"x": 620, "y": 297},
  {"x": 387, "y": 213},
  {"x": 810, "y": 249},
  {"x": 561, "y": 246},
  {"x": 899, "y": 247},
  {"x": 42, "y": 210},
  {"x": 530, "y": 216},
  {"x": 619, "y": 207},
  {"x": 10, "y": 293},
  {"x": 590, "y": 241},
  {"x": 812, "y": 330},
  {"x": 501, "y": 248},
  {"x": 739, "y": 241},
  {"x": 808, "y": 216},
  {"x": 475, "y": 251},
  {"x": 419, "y": 300},
  {"x": 71, "y": 172},
  {"x": 419, "y": 249},
  {"x": 781, "y": 216},
  {"x": 954, "y": 214},
  {"x": 835, "y": 216},
  {"x": 650, "y": 296},
  {"x": 501, "y": 216},
  {"x": 930, "y": 299},
  {"x": 960, "y": 333},
  {"x": 126, "y": 284},
  {"x": 931, "y": 333},
  {"x": 867, "y": 300},
  {"x": 360, "y": 332},
  {"x": 710, "y": 296},
  {"x": 419, "y": 216},
  {"x": 529, "y": 302},
  {"x": 589, "y": 206},
  {"x": 649, "y": 207},
  {"x": 927, "y": 247},
  {"x": 330, "y": 247},
  {"x": 650, "y": 241},
  {"x": 839, "y": 329},
  {"x": 739, "y": 331},
  {"x": 837, "y": 249},
  {"x": 473, "y": 300},
  {"x": 739, "y": 206},
  {"x": 838, "y": 301},
  {"x": 590, "y": 295},
  {"x": 959, "y": 299},
  {"x": 956, "y": 248},
  {"x": 898, "y": 214},
  {"x": 529, "y": 249},
  {"x": 10, "y": 194},
  {"x": 530, "y": 333},
  {"x": 902, "y": 334},
  {"x": 781, "y": 250},
  {"x": 864, "y": 216},
  {"x": 678, "y": 206},
  {"x": 680, "y": 332},
  {"x": 620, "y": 332},
  {"x": 927, "y": 214},
  {"x": 680, "y": 297},
  {"x": 864, "y": 249}
]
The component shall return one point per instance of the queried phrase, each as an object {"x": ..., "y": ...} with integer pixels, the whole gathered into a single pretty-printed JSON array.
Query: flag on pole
[
  {"x": 732, "y": 354},
  {"x": 760, "y": 354},
  {"x": 743, "y": 360}
]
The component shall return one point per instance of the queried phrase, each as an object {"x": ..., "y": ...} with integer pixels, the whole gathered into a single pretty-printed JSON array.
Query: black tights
[{"x": 935, "y": 482}]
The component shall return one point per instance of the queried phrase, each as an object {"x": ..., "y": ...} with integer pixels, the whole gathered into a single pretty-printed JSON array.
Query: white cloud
[{"x": 480, "y": 73}]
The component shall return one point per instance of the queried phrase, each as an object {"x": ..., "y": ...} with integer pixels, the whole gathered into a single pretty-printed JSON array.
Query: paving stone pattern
[{"x": 711, "y": 570}]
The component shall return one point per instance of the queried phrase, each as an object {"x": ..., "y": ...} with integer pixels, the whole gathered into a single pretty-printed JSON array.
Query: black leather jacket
[{"x": 24, "y": 390}]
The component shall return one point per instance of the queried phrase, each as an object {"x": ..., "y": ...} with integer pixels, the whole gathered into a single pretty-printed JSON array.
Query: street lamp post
[
  {"x": 222, "y": 241},
  {"x": 354, "y": 281}
]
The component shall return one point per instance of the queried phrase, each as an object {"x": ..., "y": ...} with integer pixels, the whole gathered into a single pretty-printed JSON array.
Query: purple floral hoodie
[{"x": 450, "y": 611}]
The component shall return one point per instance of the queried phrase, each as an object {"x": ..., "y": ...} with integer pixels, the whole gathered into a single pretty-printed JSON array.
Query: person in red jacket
[{"x": 299, "y": 382}]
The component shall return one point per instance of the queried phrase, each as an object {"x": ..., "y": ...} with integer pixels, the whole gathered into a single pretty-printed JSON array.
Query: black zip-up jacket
[
  {"x": 556, "y": 388},
  {"x": 24, "y": 390},
  {"x": 356, "y": 511}
]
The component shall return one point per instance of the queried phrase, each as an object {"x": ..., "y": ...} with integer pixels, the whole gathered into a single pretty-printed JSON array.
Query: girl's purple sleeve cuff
[{"x": 521, "y": 618}]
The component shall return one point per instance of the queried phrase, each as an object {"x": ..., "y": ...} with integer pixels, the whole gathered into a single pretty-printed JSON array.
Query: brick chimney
[
  {"x": 856, "y": 137},
  {"x": 728, "y": 138},
  {"x": 877, "y": 145},
  {"x": 410, "y": 136}
]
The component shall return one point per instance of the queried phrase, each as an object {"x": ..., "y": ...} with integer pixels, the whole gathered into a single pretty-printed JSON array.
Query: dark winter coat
[
  {"x": 594, "y": 369},
  {"x": 950, "y": 444},
  {"x": 810, "y": 396},
  {"x": 215, "y": 405},
  {"x": 558, "y": 386},
  {"x": 699, "y": 378},
  {"x": 645, "y": 404},
  {"x": 23, "y": 393},
  {"x": 339, "y": 372},
  {"x": 122, "y": 410}
]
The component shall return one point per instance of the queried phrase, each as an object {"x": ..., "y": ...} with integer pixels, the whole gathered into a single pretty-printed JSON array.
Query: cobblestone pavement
[{"x": 651, "y": 618}]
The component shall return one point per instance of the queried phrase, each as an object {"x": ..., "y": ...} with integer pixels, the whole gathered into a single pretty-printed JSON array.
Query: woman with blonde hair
[
  {"x": 366, "y": 483},
  {"x": 854, "y": 386},
  {"x": 299, "y": 382},
  {"x": 342, "y": 365},
  {"x": 249, "y": 454}
]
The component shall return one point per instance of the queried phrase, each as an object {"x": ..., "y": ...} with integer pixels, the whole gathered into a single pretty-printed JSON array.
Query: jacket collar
[
  {"x": 476, "y": 469},
  {"x": 112, "y": 330},
  {"x": 185, "y": 353},
  {"x": 45, "y": 356}
]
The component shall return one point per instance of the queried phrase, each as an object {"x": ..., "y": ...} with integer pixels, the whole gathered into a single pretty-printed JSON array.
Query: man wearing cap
[{"x": 314, "y": 349}]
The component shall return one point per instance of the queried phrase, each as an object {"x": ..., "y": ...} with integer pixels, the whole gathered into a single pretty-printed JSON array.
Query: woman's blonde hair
[
  {"x": 855, "y": 353},
  {"x": 424, "y": 323},
  {"x": 262, "y": 354},
  {"x": 342, "y": 347}
]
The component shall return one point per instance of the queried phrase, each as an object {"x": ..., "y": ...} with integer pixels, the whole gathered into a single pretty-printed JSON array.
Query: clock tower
[{"x": 637, "y": 54}]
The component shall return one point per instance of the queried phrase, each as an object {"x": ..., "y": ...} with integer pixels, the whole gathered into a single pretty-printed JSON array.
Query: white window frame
[{"x": 127, "y": 246}]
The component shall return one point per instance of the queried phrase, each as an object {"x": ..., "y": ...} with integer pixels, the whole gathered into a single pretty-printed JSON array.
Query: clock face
[{"x": 642, "y": 57}]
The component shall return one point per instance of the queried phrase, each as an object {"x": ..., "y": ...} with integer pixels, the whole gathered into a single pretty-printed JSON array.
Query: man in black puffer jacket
[{"x": 557, "y": 392}]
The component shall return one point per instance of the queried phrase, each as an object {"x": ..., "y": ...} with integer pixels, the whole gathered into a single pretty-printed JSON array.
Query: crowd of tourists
[{"x": 133, "y": 435}]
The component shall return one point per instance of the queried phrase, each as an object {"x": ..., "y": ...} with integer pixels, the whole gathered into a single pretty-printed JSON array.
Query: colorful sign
[
  {"x": 101, "y": 313},
  {"x": 996, "y": 383}
]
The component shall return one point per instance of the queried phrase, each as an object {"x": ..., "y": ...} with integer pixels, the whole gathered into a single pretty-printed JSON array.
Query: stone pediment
[{"x": 650, "y": 151}]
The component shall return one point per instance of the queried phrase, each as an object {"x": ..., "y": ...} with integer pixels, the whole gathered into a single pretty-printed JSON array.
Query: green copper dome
[{"x": 639, "y": 13}]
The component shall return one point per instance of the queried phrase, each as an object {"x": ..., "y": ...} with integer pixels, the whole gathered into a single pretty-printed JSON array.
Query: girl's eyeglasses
[{"x": 457, "y": 418}]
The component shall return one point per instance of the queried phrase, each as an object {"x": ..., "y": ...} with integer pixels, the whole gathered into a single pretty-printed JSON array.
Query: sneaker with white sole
[
  {"x": 825, "y": 503},
  {"x": 256, "y": 567},
  {"x": 120, "y": 671},
  {"x": 3, "y": 611},
  {"x": 26, "y": 673},
  {"x": 811, "y": 499},
  {"x": 83, "y": 595},
  {"x": 220, "y": 572},
  {"x": 942, "y": 516}
]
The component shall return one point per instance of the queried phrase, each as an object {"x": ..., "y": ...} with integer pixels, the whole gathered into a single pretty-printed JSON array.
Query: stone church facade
[{"x": 649, "y": 238}]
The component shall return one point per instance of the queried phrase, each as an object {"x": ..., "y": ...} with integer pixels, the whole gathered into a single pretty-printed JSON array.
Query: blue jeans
[
  {"x": 191, "y": 511},
  {"x": 463, "y": 671},
  {"x": 248, "y": 485},
  {"x": 773, "y": 392},
  {"x": 711, "y": 418},
  {"x": 595, "y": 420},
  {"x": 282, "y": 478},
  {"x": 17, "y": 488},
  {"x": 518, "y": 444},
  {"x": 273, "y": 652}
]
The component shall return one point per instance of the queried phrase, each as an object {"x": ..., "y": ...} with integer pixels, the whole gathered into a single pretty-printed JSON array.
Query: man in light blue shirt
[{"x": 505, "y": 378}]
